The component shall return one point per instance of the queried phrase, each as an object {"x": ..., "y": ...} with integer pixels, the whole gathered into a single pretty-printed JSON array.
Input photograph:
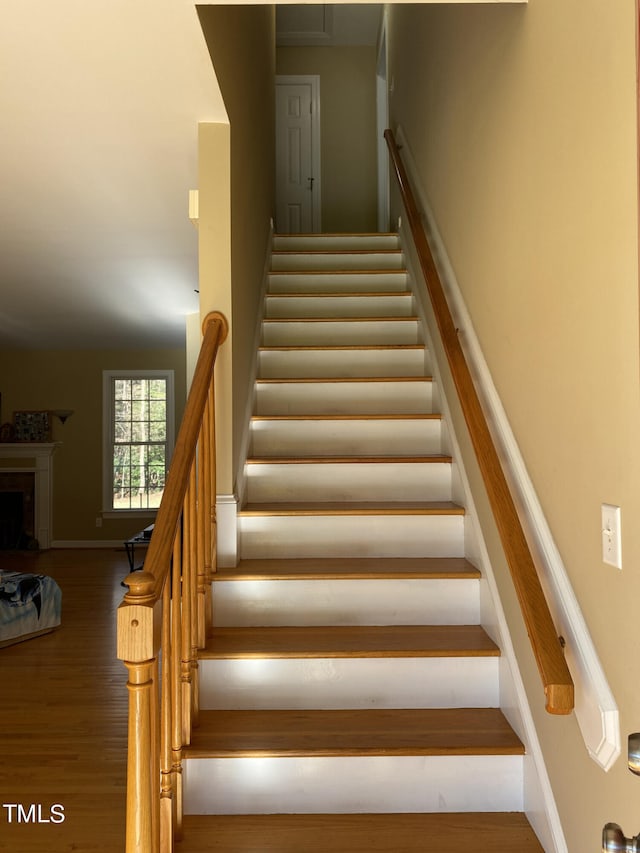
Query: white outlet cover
[{"x": 611, "y": 536}]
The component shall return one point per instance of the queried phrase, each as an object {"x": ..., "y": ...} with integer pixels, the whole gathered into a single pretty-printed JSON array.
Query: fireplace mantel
[{"x": 36, "y": 457}]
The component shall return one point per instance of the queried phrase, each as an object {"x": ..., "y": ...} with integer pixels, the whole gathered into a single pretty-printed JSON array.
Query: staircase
[{"x": 350, "y": 696}]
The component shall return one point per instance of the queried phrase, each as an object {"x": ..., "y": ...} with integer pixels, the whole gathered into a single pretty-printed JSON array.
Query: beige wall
[
  {"x": 241, "y": 41},
  {"x": 348, "y": 130},
  {"x": 214, "y": 259},
  {"x": 522, "y": 121},
  {"x": 42, "y": 380}
]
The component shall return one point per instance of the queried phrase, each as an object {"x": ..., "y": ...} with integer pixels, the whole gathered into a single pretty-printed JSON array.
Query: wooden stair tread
[
  {"x": 311, "y": 460},
  {"x": 350, "y": 417},
  {"x": 350, "y": 568},
  {"x": 337, "y": 379},
  {"x": 498, "y": 832},
  {"x": 342, "y": 348},
  {"x": 340, "y": 294},
  {"x": 315, "y": 235},
  {"x": 301, "y": 733},
  {"x": 352, "y": 508},
  {"x": 347, "y": 251},
  {"x": 376, "y": 271},
  {"x": 376, "y": 641},
  {"x": 392, "y": 319}
]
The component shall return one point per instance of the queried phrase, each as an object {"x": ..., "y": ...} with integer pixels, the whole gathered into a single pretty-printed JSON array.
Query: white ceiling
[{"x": 100, "y": 103}]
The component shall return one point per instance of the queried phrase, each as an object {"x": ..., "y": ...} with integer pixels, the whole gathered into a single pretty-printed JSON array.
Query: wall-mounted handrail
[
  {"x": 165, "y": 615},
  {"x": 546, "y": 645}
]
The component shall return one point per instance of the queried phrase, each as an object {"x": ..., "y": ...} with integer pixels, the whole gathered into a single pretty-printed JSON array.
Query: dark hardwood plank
[
  {"x": 424, "y": 459},
  {"x": 433, "y": 731},
  {"x": 350, "y": 641},
  {"x": 353, "y": 508},
  {"x": 349, "y": 568},
  {"x": 507, "y": 832}
]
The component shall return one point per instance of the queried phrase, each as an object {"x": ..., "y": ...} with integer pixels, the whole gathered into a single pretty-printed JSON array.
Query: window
[{"x": 138, "y": 411}]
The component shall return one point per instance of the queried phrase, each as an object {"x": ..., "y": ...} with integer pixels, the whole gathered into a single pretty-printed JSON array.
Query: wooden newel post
[{"x": 138, "y": 643}]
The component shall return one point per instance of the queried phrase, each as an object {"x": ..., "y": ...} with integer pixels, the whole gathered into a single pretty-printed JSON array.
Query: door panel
[{"x": 296, "y": 182}]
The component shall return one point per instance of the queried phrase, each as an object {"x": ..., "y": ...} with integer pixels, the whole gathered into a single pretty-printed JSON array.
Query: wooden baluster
[
  {"x": 189, "y": 551},
  {"x": 191, "y": 628},
  {"x": 176, "y": 687},
  {"x": 212, "y": 477},
  {"x": 137, "y": 646},
  {"x": 166, "y": 784},
  {"x": 204, "y": 611},
  {"x": 203, "y": 523},
  {"x": 155, "y": 752}
]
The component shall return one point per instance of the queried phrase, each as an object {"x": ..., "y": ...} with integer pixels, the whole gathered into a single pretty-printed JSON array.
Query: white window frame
[{"x": 108, "y": 377}]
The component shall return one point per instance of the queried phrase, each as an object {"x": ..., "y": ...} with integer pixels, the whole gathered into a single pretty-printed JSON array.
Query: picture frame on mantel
[{"x": 34, "y": 427}]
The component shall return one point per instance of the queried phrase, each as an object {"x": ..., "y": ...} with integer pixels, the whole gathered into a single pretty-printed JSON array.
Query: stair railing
[
  {"x": 163, "y": 618},
  {"x": 546, "y": 645}
]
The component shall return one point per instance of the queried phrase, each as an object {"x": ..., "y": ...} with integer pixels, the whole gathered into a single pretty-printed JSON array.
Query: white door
[
  {"x": 382, "y": 123},
  {"x": 297, "y": 154}
]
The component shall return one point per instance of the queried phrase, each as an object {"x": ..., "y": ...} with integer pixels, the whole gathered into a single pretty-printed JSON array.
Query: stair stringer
[{"x": 538, "y": 799}]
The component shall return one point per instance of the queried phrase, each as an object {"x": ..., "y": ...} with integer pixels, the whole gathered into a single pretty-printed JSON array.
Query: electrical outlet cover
[{"x": 611, "y": 536}]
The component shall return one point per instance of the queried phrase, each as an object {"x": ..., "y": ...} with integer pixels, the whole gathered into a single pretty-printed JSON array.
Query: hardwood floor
[{"x": 63, "y": 712}]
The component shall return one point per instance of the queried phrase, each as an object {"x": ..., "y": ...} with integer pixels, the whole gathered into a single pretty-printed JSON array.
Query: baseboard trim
[{"x": 227, "y": 531}]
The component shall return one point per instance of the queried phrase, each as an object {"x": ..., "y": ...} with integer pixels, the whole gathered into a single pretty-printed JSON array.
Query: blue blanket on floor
[{"x": 28, "y": 604}]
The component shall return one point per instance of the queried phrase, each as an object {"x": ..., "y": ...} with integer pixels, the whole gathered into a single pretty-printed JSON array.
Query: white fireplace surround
[{"x": 41, "y": 456}]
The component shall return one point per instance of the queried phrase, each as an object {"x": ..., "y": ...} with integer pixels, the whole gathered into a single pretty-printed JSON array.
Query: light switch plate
[{"x": 611, "y": 536}]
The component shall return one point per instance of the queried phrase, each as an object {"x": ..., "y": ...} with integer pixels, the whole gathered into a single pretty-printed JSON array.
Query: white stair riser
[
  {"x": 336, "y": 437},
  {"x": 351, "y": 785},
  {"x": 347, "y": 282},
  {"x": 398, "y": 305},
  {"x": 346, "y": 602},
  {"x": 279, "y": 537},
  {"x": 313, "y": 398},
  {"x": 338, "y": 261},
  {"x": 339, "y": 242},
  {"x": 286, "y": 364},
  {"x": 340, "y": 333},
  {"x": 348, "y": 481},
  {"x": 333, "y": 683}
]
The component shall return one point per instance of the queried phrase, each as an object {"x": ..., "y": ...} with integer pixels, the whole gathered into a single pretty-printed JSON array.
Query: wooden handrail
[
  {"x": 165, "y": 615},
  {"x": 215, "y": 330},
  {"x": 546, "y": 645}
]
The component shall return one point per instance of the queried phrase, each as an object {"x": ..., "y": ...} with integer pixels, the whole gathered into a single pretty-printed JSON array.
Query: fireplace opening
[{"x": 17, "y": 516}]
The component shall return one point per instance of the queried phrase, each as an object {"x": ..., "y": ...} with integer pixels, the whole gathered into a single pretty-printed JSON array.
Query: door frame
[{"x": 314, "y": 81}]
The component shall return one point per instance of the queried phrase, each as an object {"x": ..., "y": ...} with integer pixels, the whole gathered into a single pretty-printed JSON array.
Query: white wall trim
[
  {"x": 596, "y": 710},
  {"x": 41, "y": 456},
  {"x": 227, "y": 531}
]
